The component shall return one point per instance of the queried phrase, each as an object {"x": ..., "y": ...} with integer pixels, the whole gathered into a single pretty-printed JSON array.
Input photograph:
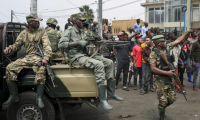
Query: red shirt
[
  {"x": 191, "y": 37},
  {"x": 185, "y": 48},
  {"x": 138, "y": 56}
]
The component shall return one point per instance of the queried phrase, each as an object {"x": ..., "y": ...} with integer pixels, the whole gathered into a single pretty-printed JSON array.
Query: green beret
[{"x": 158, "y": 37}]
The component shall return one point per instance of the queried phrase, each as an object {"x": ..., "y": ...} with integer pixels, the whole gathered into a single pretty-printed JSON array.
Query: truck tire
[{"x": 26, "y": 108}]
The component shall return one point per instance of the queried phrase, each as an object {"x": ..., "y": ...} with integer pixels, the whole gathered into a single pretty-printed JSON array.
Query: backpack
[
  {"x": 54, "y": 40},
  {"x": 183, "y": 55}
]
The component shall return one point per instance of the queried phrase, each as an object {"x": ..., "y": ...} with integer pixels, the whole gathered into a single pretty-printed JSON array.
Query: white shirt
[
  {"x": 144, "y": 29},
  {"x": 176, "y": 52}
]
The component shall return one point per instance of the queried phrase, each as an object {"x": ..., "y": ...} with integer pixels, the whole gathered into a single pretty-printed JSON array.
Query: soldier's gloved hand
[
  {"x": 44, "y": 62},
  {"x": 7, "y": 50},
  {"x": 83, "y": 43}
]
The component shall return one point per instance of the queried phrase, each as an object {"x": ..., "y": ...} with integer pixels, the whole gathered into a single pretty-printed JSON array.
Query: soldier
[
  {"x": 54, "y": 37},
  {"x": 31, "y": 59},
  {"x": 165, "y": 86},
  {"x": 103, "y": 68}
]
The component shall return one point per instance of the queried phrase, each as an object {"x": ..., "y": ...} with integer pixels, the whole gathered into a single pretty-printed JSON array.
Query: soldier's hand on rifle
[
  {"x": 193, "y": 64},
  {"x": 97, "y": 38},
  {"x": 44, "y": 62},
  {"x": 171, "y": 73},
  {"x": 7, "y": 50}
]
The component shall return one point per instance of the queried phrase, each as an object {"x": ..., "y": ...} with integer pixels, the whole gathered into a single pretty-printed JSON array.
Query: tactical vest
[
  {"x": 160, "y": 63},
  {"x": 54, "y": 40}
]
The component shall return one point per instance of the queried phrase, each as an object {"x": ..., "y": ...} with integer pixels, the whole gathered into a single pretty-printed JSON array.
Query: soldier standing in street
[
  {"x": 31, "y": 59},
  {"x": 54, "y": 37},
  {"x": 74, "y": 38},
  {"x": 165, "y": 86}
]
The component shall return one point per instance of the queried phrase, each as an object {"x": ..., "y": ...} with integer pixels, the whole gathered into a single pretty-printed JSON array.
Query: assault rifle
[
  {"x": 49, "y": 70},
  {"x": 113, "y": 43},
  {"x": 171, "y": 67}
]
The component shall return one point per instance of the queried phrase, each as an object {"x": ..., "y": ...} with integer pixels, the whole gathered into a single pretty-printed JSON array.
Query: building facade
[
  {"x": 167, "y": 14},
  {"x": 119, "y": 25}
]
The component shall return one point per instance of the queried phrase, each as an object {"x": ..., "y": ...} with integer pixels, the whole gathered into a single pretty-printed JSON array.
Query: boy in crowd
[{"x": 137, "y": 62}]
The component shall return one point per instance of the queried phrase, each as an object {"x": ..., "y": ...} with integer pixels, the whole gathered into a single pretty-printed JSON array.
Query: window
[
  {"x": 173, "y": 11},
  {"x": 196, "y": 12},
  {"x": 151, "y": 15},
  {"x": 156, "y": 15}
]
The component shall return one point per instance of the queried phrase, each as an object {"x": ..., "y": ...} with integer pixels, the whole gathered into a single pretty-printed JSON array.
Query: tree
[{"x": 87, "y": 12}]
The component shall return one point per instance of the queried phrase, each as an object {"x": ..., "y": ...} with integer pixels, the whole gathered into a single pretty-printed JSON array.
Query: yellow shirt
[{"x": 142, "y": 46}]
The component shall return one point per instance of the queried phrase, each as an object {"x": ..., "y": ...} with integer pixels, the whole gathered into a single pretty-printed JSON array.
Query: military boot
[
  {"x": 13, "y": 89},
  {"x": 111, "y": 91},
  {"x": 40, "y": 90},
  {"x": 162, "y": 117},
  {"x": 102, "y": 96}
]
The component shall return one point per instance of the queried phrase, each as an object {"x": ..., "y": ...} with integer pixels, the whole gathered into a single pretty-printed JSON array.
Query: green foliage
[{"x": 87, "y": 12}]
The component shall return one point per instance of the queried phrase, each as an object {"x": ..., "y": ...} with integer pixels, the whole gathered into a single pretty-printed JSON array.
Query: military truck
[{"x": 74, "y": 85}]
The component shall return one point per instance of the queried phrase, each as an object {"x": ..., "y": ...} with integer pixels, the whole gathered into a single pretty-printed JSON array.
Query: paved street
[{"x": 141, "y": 107}]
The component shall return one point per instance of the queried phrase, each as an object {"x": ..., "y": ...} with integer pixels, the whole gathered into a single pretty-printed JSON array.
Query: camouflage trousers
[
  {"x": 103, "y": 67},
  {"x": 166, "y": 96},
  {"x": 14, "y": 68},
  {"x": 57, "y": 54}
]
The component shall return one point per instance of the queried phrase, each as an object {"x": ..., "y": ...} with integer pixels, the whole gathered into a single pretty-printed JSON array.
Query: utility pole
[
  {"x": 33, "y": 7},
  {"x": 99, "y": 18},
  {"x": 11, "y": 16},
  {"x": 180, "y": 18}
]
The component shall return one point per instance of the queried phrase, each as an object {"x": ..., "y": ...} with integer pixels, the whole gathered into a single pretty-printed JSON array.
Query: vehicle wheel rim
[{"x": 29, "y": 112}]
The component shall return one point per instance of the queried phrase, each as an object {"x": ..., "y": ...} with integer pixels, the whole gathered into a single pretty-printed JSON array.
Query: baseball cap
[{"x": 138, "y": 36}]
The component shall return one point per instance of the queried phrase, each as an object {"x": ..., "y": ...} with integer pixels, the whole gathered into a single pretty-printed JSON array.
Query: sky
[{"x": 21, "y": 8}]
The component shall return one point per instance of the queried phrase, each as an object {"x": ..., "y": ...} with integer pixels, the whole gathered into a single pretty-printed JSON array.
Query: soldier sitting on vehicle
[
  {"x": 26, "y": 38},
  {"x": 72, "y": 39},
  {"x": 54, "y": 37}
]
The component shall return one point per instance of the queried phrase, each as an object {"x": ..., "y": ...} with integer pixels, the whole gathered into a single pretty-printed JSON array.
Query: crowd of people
[{"x": 134, "y": 60}]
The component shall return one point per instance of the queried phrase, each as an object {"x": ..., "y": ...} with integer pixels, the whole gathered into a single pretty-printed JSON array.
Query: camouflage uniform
[
  {"x": 165, "y": 91},
  {"x": 57, "y": 54},
  {"x": 102, "y": 67},
  {"x": 13, "y": 69}
]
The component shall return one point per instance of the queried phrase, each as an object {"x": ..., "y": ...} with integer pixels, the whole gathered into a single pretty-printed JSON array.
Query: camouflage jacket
[
  {"x": 37, "y": 35},
  {"x": 71, "y": 35},
  {"x": 154, "y": 58}
]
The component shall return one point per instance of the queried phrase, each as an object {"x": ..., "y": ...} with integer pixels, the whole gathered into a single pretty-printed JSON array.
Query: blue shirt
[{"x": 137, "y": 27}]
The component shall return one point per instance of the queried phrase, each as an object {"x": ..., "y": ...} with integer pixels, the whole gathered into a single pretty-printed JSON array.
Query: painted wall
[{"x": 120, "y": 25}]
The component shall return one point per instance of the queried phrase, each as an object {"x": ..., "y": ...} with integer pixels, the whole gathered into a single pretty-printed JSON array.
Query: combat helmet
[{"x": 52, "y": 21}]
